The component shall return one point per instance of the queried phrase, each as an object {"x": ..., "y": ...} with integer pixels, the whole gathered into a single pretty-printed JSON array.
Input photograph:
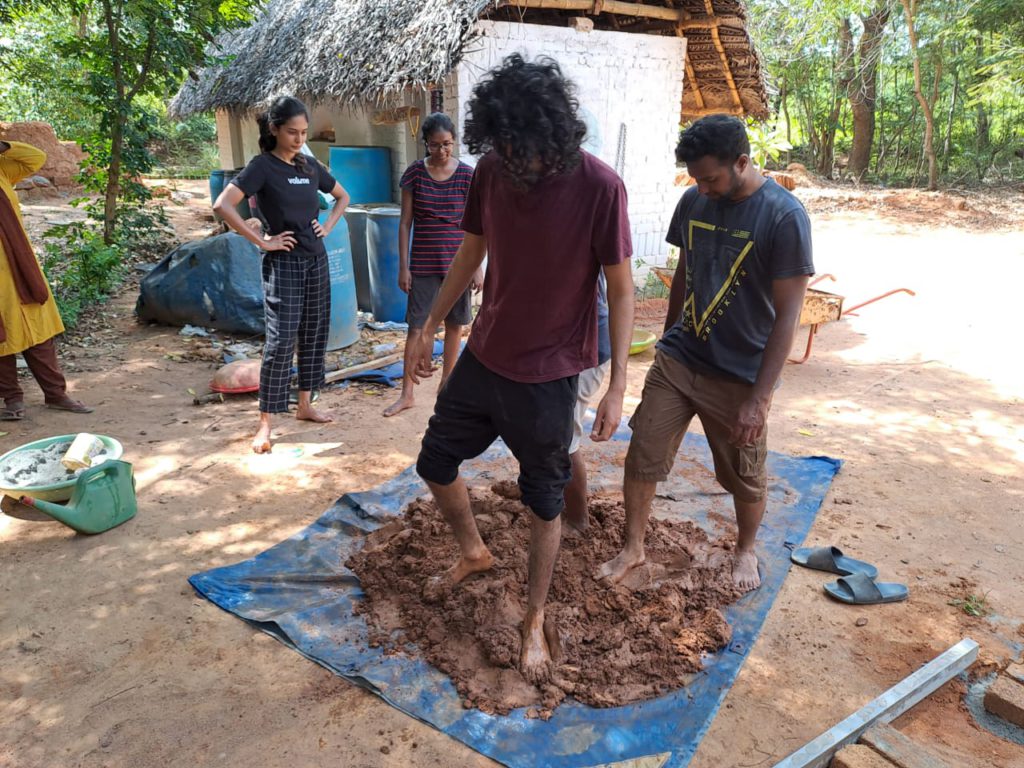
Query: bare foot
[
  {"x": 436, "y": 586},
  {"x": 616, "y": 569},
  {"x": 261, "y": 442},
  {"x": 578, "y": 524},
  {"x": 401, "y": 404},
  {"x": 535, "y": 658},
  {"x": 744, "y": 571},
  {"x": 309, "y": 413}
]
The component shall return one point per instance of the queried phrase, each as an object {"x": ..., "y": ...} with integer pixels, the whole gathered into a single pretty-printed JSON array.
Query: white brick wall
[{"x": 627, "y": 83}]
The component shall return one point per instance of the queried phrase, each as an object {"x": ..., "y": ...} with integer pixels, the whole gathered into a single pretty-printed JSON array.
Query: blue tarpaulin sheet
[{"x": 301, "y": 592}]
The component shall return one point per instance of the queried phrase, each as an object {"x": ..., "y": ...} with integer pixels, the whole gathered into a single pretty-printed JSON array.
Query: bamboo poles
[{"x": 726, "y": 69}]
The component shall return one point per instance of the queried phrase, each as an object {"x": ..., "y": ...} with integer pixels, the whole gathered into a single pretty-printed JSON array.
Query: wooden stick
[
  {"x": 369, "y": 365},
  {"x": 887, "y": 707},
  {"x": 608, "y": 6},
  {"x": 694, "y": 113},
  {"x": 620, "y": 8},
  {"x": 721, "y": 55},
  {"x": 690, "y": 74}
]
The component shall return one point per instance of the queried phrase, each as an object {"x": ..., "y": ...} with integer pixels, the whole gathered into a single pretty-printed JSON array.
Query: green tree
[{"x": 123, "y": 50}]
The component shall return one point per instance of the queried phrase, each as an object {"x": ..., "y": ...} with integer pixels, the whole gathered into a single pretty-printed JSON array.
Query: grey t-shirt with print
[{"x": 733, "y": 252}]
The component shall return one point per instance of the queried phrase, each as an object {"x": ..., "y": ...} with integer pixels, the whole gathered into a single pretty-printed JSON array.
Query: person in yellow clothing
[{"x": 28, "y": 314}]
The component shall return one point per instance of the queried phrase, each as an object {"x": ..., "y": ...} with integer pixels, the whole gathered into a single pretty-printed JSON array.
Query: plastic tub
[{"x": 56, "y": 491}]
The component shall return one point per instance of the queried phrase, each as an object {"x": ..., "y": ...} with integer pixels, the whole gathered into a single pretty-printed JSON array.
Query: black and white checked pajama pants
[{"x": 297, "y": 303}]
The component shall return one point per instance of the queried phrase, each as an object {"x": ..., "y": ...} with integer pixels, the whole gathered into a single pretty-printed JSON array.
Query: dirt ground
[{"x": 108, "y": 657}]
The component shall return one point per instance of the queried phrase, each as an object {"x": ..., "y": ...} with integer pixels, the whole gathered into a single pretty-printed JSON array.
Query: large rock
[{"x": 62, "y": 157}]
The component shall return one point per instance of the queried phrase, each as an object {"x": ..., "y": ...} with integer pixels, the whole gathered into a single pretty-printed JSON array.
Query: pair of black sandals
[{"x": 857, "y": 585}]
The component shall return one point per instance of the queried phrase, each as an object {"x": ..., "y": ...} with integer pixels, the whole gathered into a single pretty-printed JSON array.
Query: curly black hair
[
  {"x": 526, "y": 111},
  {"x": 720, "y": 136}
]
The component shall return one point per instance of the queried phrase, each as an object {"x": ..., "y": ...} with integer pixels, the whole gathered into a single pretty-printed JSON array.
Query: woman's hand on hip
[
  {"x": 282, "y": 242},
  {"x": 319, "y": 229},
  {"x": 405, "y": 280}
]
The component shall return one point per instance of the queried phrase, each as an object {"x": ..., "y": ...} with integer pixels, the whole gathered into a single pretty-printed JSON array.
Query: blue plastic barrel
[
  {"x": 364, "y": 172},
  {"x": 388, "y": 301},
  {"x": 344, "y": 329},
  {"x": 355, "y": 215},
  {"x": 216, "y": 185},
  {"x": 243, "y": 207}
]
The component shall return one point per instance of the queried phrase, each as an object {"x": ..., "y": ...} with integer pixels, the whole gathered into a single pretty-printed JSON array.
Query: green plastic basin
[
  {"x": 55, "y": 491},
  {"x": 642, "y": 341}
]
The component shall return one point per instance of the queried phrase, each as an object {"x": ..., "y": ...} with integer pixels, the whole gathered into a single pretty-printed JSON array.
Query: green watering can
[{"x": 104, "y": 497}]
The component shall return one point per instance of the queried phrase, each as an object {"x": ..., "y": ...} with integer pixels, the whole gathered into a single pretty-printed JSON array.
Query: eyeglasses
[{"x": 433, "y": 146}]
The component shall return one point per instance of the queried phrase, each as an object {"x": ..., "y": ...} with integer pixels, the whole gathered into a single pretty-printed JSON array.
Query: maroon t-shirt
[{"x": 545, "y": 248}]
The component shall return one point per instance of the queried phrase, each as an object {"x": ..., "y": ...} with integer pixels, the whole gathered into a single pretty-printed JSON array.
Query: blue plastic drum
[
  {"x": 388, "y": 301},
  {"x": 344, "y": 328},
  {"x": 355, "y": 215},
  {"x": 216, "y": 185},
  {"x": 364, "y": 172}
]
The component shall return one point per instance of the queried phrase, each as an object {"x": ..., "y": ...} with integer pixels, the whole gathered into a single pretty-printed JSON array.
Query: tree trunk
[
  {"x": 864, "y": 89},
  {"x": 947, "y": 144},
  {"x": 844, "y": 65},
  {"x": 926, "y": 109},
  {"x": 113, "y": 182},
  {"x": 784, "y": 104}
]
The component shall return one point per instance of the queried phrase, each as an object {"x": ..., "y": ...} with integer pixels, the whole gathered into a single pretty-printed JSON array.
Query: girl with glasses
[{"x": 434, "y": 191}]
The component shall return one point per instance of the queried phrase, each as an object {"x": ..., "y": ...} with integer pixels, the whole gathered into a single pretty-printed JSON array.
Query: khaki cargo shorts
[{"x": 673, "y": 395}]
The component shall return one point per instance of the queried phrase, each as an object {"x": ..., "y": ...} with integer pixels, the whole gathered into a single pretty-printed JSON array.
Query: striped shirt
[{"x": 437, "y": 217}]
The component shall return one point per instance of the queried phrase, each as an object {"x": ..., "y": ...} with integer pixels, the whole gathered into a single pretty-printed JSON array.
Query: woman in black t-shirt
[{"x": 296, "y": 281}]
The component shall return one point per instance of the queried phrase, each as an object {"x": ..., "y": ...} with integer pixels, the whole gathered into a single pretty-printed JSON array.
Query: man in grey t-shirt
[{"x": 745, "y": 260}]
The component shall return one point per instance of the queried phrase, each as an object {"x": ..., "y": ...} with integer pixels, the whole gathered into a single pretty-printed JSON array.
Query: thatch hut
[{"x": 372, "y": 68}]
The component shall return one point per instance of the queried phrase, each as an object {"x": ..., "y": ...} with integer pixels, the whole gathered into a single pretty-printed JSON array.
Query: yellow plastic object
[{"x": 642, "y": 341}]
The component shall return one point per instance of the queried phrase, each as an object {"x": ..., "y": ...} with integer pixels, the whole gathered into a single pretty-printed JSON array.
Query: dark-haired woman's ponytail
[{"x": 267, "y": 140}]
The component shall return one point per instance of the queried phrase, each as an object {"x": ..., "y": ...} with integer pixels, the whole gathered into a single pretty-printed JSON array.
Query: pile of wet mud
[{"x": 616, "y": 643}]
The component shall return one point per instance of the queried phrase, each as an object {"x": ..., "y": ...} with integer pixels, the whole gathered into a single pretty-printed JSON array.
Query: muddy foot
[
  {"x": 309, "y": 413},
  {"x": 616, "y": 569},
  {"x": 437, "y": 586},
  {"x": 261, "y": 442},
  {"x": 577, "y": 524},
  {"x": 535, "y": 659},
  {"x": 401, "y": 404},
  {"x": 744, "y": 571}
]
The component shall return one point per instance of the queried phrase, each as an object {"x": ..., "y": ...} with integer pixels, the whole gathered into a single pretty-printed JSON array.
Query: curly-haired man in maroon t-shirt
[{"x": 549, "y": 216}]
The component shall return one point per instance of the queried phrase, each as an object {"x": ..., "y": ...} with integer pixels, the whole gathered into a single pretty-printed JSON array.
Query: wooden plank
[
  {"x": 887, "y": 707},
  {"x": 898, "y": 749},
  {"x": 858, "y": 756},
  {"x": 380, "y": 362}
]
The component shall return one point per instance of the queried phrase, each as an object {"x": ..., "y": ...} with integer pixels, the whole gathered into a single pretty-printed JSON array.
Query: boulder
[{"x": 62, "y": 157}]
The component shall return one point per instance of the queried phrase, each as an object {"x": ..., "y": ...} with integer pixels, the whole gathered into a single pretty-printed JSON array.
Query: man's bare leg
[
  {"x": 535, "y": 660},
  {"x": 576, "y": 513},
  {"x": 452, "y": 343},
  {"x": 406, "y": 399},
  {"x": 638, "y": 495},
  {"x": 744, "y": 564},
  {"x": 453, "y": 501}
]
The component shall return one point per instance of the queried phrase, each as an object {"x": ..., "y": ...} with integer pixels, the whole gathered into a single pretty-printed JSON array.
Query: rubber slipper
[
  {"x": 832, "y": 560},
  {"x": 12, "y": 413},
  {"x": 70, "y": 405},
  {"x": 858, "y": 589}
]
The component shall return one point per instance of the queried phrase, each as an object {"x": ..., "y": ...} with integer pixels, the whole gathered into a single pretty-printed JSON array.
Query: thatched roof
[{"x": 353, "y": 51}]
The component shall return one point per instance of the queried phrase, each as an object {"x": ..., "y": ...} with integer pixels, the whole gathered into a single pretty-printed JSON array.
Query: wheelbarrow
[{"x": 819, "y": 307}]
